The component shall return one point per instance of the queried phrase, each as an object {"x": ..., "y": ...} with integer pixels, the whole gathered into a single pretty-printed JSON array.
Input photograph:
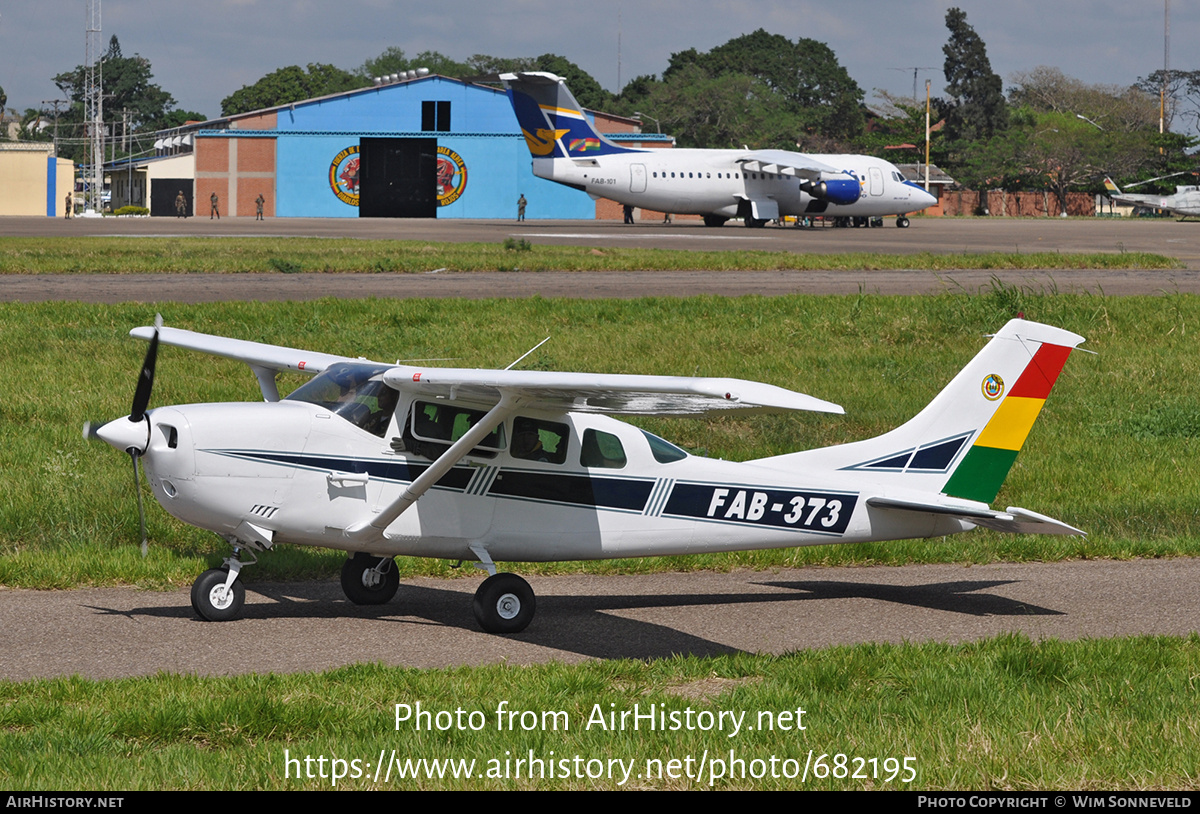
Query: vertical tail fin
[
  {"x": 965, "y": 441},
  {"x": 1111, "y": 186},
  {"x": 553, "y": 123}
]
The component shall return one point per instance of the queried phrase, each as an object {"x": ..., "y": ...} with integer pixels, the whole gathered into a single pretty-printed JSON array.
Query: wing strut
[{"x": 373, "y": 528}]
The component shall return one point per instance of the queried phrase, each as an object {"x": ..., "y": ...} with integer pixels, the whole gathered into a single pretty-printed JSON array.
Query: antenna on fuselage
[{"x": 526, "y": 353}]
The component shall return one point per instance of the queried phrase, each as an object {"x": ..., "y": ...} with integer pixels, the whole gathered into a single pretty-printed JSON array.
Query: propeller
[{"x": 132, "y": 435}]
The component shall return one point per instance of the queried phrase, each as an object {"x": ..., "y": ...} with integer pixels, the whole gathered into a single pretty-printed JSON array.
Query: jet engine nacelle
[{"x": 835, "y": 190}]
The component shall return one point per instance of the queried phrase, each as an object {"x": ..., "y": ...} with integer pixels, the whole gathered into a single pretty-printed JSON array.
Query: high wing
[
  {"x": 265, "y": 360},
  {"x": 509, "y": 390},
  {"x": 613, "y": 393}
]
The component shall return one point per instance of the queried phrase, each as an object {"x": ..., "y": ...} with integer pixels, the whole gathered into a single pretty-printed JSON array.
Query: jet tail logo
[
  {"x": 544, "y": 141},
  {"x": 583, "y": 144}
]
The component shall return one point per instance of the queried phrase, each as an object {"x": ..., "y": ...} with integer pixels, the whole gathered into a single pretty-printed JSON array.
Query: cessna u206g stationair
[
  {"x": 755, "y": 185},
  {"x": 386, "y": 460}
]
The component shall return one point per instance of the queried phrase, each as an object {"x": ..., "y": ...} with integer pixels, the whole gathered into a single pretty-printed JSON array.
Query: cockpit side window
[
  {"x": 601, "y": 450},
  {"x": 538, "y": 440},
  {"x": 354, "y": 392},
  {"x": 434, "y": 426},
  {"x": 664, "y": 451}
]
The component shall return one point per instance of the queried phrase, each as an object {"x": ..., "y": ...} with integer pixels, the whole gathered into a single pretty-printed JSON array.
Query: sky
[{"x": 201, "y": 52}]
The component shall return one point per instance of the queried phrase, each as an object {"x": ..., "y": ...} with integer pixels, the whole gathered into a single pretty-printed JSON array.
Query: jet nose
[
  {"x": 923, "y": 199},
  {"x": 125, "y": 434}
]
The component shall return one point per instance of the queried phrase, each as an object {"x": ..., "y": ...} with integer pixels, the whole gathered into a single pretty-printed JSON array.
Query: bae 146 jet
[
  {"x": 385, "y": 460},
  {"x": 755, "y": 185}
]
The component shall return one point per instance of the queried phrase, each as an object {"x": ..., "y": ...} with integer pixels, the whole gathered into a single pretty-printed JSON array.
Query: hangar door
[
  {"x": 397, "y": 178},
  {"x": 163, "y": 192}
]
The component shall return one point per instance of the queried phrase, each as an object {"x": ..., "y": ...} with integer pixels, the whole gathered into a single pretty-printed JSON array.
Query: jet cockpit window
[{"x": 355, "y": 392}]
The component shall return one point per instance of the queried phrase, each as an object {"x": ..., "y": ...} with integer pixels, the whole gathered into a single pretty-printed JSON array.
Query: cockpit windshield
[{"x": 355, "y": 392}]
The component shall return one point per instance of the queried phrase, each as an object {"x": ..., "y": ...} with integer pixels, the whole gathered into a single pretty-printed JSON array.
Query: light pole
[{"x": 657, "y": 126}]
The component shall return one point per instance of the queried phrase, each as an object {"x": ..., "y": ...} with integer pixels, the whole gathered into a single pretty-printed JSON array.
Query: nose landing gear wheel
[
  {"x": 364, "y": 585},
  {"x": 504, "y": 603},
  {"x": 212, "y": 601}
]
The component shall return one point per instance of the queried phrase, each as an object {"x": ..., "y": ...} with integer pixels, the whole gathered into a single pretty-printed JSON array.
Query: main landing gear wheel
[
  {"x": 902, "y": 222},
  {"x": 504, "y": 603},
  {"x": 364, "y": 585},
  {"x": 212, "y": 601},
  {"x": 714, "y": 220}
]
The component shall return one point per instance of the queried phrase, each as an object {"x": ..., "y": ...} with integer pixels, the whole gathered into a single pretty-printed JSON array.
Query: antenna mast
[{"x": 93, "y": 103}]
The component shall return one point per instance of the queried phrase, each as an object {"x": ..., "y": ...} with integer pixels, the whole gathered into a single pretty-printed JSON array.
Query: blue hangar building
[{"x": 425, "y": 147}]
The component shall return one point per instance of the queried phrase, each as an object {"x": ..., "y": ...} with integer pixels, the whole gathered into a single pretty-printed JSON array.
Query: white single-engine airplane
[
  {"x": 386, "y": 460},
  {"x": 755, "y": 185}
]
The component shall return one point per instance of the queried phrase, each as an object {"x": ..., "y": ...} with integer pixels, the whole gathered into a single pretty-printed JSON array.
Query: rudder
[
  {"x": 553, "y": 123},
  {"x": 965, "y": 441}
]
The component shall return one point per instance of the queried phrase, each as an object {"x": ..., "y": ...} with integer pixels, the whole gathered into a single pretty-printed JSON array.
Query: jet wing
[
  {"x": 784, "y": 162},
  {"x": 620, "y": 394},
  {"x": 1013, "y": 520}
]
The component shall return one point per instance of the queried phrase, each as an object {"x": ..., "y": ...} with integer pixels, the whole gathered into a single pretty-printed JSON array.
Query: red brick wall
[
  {"x": 265, "y": 121},
  {"x": 256, "y": 155},
  {"x": 1017, "y": 204},
  {"x": 205, "y": 187},
  {"x": 249, "y": 189},
  {"x": 212, "y": 155}
]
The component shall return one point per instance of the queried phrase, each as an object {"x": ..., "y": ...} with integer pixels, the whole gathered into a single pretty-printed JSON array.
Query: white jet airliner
[{"x": 755, "y": 185}]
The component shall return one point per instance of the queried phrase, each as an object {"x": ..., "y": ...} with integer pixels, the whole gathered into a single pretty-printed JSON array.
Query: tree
[
  {"x": 484, "y": 64},
  {"x": 978, "y": 109},
  {"x": 290, "y": 84},
  {"x": 1181, "y": 96},
  {"x": 804, "y": 76},
  {"x": 1112, "y": 107},
  {"x": 790, "y": 94},
  {"x": 393, "y": 60},
  {"x": 127, "y": 87},
  {"x": 721, "y": 112},
  {"x": 583, "y": 85},
  {"x": 1079, "y": 132}
]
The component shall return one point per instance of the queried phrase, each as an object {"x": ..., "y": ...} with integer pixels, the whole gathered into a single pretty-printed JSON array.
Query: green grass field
[
  {"x": 1114, "y": 452},
  {"x": 290, "y": 255},
  {"x": 1002, "y": 714}
]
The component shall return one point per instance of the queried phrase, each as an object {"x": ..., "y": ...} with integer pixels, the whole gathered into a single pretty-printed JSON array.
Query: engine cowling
[{"x": 835, "y": 190}]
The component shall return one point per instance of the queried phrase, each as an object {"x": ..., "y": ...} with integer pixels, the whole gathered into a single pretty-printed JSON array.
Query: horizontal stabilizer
[
  {"x": 1013, "y": 520},
  {"x": 615, "y": 393}
]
